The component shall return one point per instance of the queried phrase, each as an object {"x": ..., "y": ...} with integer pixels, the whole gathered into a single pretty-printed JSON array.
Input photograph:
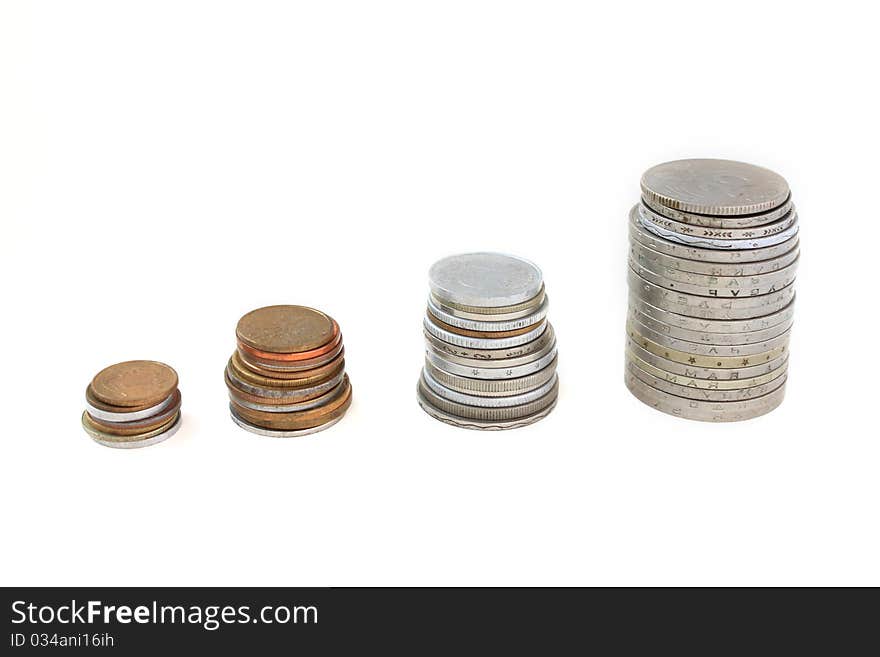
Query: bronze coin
[
  {"x": 110, "y": 408},
  {"x": 313, "y": 417},
  {"x": 313, "y": 377},
  {"x": 128, "y": 434},
  {"x": 138, "y": 426},
  {"x": 293, "y": 359},
  {"x": 134, "y": 384},
  {"x": 481, "y": 334},
  {"x": 270, "y": 365},
  {"x": 281, "y": 378},
  {"x": 286, "y": 329}
]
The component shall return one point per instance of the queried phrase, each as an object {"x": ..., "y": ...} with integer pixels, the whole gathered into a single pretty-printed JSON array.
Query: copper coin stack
[
  {"x": 132, "y": 404},
  {"x": 287, "y": 378}
]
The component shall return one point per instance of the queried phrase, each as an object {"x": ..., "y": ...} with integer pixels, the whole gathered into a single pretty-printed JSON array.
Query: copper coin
[
  {"x": 271, "y": 365},
  {"x": 314, "y": 417},
  {"x": 294, "y": 358},
  {"x": 134, "y": 383},
  {"x": 281, "y": 377},
  {"x": 481, "y": 334},
  {"x": 122, "y": 435},
  {"x": 313, "y": 377},
  {"x": 286, "y": 329},
  {"x": 138, "y": 426},
  {"x": 92, "y": 400}
]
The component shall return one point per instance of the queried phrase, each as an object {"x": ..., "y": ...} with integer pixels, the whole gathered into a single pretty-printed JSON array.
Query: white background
[{"x": 166, "y": 167}]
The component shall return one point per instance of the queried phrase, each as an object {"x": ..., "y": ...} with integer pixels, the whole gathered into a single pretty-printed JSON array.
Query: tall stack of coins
[
  {"x": 287, "y": 378},
  {"x": 713, "y": 256},
  {"x": 490, "y": 353},
  {"x": 132, "y": 404}
]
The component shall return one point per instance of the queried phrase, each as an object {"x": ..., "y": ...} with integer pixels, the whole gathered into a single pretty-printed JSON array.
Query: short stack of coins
[
  {"x": 287, "y": 377},
  {"x": 490, "y": 353},
  {"x": 713, "y": 256},
  {"x": 132, "y": 404}
]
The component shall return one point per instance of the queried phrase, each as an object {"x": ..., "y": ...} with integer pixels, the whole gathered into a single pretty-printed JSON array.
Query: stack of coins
[
  {"x": 490, "y": 360},
  {"x": 713, "y": 256},
  {"x": 287, "y": 378},
  {"x": 132, "y": 404}
]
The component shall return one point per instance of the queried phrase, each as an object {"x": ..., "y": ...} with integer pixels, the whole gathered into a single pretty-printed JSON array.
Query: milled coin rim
[
  {"x": 492, "y": 373},
  {"x": 490, "y": 326},
  {"x": 696, "y": 207},
  {"x": 703, "y": 268},
  {"x": 729, "y": 221},
  {"x": 509, "y": 401},
  {"x": 483, "y": 343},
  {"x": 479, "y": 425}
]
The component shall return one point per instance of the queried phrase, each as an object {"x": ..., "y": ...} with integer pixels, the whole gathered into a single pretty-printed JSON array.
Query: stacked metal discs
[
  {"x": 287, "y": 378},
  {"x": 713, "y": 256},
  {"x": 132, "y": 404},
  {"x": 490, "y": 353}
]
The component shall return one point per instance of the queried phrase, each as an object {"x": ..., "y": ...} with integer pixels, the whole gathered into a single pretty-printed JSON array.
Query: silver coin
[
  {"x": 482, "y": 425},
  {"x": 272, "y": 433},
  {"x": 488, "y": 371},
  {"x": 702, "y": 394},
  {"x": 676, "y": 249},
  {"x": 708, "y": 373},
  {"x": 709, "y": 307},
  {"x": 290, "y": 395},
  {"x": 714, "y": 243},
  {"x": 656, "y": 261},
  {"x": 747, "y": 337},
  {"x": 157, "y": 419},
  {"x": 133, "y": 416},
  {"x": 707, "y": 349},
  {"x": 705, "y": 384},
  {"x": 714, "y": 187},
  {"x": 482, "y": 343},
  {"x": 508, "y": 401},
  {"x": 483, "y": 325},
  {"x": 524, "y": 310},
  {"x": 491, "y": 415},
  {"x": 491, "y": 387},
  {"x": 485, "y": 279},
  {"x": 525, "y": 353},
  {"x": 102, "y": 439},
  {"x": 710, "y": 221},
  {"x": 719, "y": 286},
  {"x": 713, "y": 326},
  {"x": 767, "y": 230},
  {"x": 692, "y": 409},
  {"x": 293, "y": 407}
]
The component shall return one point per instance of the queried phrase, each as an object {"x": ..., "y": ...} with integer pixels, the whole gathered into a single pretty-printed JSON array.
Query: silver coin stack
[
  {"x": 490, "y": 353},
  {"x": 712, "y": 263}
]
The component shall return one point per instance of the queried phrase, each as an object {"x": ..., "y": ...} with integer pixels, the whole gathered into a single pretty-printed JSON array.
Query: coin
[
  {"x": 140, "y": 426},
  {"x": 300, "y": 420},
  {"x": 714, "y": 187},
  {"x": 153, "y": 438},
  {"x": 285, "y": 329},
  {"x": 740, "y": 221},
  {"x": 485, "y": 279},
  {"x": 134, "y": 384}
]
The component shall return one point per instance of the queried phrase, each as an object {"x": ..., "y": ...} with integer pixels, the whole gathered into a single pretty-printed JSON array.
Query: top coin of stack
[
  {"x": 713, "y": 256},
  {"x": 490, "y": 353},
  {"x": 287, "y": 377},
  {"x": 132, "y": 404}
]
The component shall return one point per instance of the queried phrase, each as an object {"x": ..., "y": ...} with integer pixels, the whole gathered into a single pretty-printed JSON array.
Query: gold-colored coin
[
  {"x": 286, "y": 329},
  {"x": 134, "y": 384},
  {"x": 314, "y": 417},
  {"x": 721, "y": 362},
  {"x": 99, "y": 431},
  {"x": 137, "y": 427}
]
